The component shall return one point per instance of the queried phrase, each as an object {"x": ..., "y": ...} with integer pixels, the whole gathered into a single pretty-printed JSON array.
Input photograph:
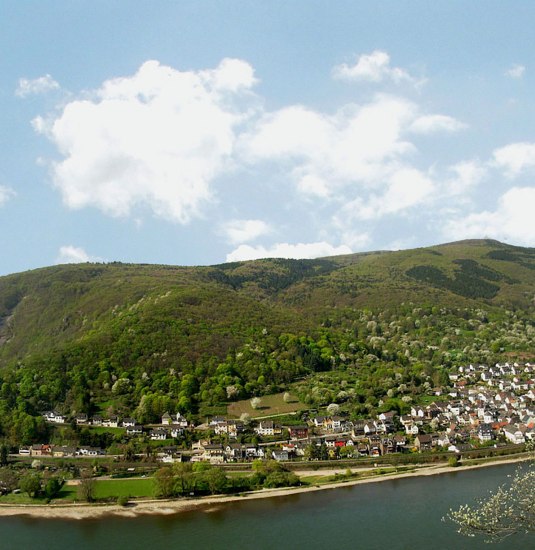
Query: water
[{"x": 396, "y": 514}]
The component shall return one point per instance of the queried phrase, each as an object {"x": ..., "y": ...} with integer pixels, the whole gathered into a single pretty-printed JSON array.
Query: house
[
  {"x": 96, "y": 420},
  {"x": 235, "y": 452},
  {"x": 401, "y": 442},
  {"x": 158, "y": 434},
  {"x": 181, "y": 421},
  {"x": 169, "y": 455},
  {"x": 81, "y": 419},
  {"x": 214, "y": 453},
  {"x": 332, "y": 441},
  {"x": 358, "y": 428},
  {"x": 514, "y": 434},
  {"x": 265, "y": 427},
  {"x": 337, "y": 423},
  {"x": 280, "y": 456},
  {"x": 134, "y": 430},
  {"x": 370, "y": 428},
  {"x": 423, "y": 442},
  {"x": 388, "y": 446},
  {"x": 363, "y": 449},
  {"x": 228, "y": 427},
  {"x": 166, "y": 419},
  {"x": 485, "y": 433},
  {"x": 298, "y": 432},
  {"x": 90, "y": 451},
  {"x": 217, "y": 421},
  {"x": 63, "y": 451},
  {"x": 319, "y": 421},
  {"x": 128, "y": 423},
  {"x": 111, "y": 422},
  {"x": 176, "y": 430},
  {"x": 252, "y": 451},
  {"x": 374, "y": 445},
  {"x": 56, "y": 418},
  {"x": 417, "y": 411}
]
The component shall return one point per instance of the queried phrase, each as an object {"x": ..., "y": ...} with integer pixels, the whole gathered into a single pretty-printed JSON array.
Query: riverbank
[{"x": 211, "y": 503}]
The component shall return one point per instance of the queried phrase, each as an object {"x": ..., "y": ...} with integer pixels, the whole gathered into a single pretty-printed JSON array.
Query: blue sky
[{"x": 199, "y": 132}]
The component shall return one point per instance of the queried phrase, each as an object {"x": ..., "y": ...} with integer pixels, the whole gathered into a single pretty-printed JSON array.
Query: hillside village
[{"x": 483, "y": 406}]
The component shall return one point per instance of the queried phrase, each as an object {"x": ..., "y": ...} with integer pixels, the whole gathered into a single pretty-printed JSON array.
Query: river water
[{"x": 390, "y": 515}]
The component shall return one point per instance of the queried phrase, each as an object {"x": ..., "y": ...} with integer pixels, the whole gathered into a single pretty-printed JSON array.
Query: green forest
[{"x": 369, "y": 332}]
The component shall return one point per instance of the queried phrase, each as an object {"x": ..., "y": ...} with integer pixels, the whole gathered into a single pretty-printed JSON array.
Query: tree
[
  {"x": 507, "y": 511},
  {"x": 164, "y": 478},
  {"x": 52, "y": 487},
  {"x": 86, "y": 488},
  {"x": 333, "y": 409},
  {"x": 216, "y": 479},
  {"x": 8, "y": 480},
  {"x": 256, "y": 402},
  {"x": 4, "y": 453},
  {"x": 184, "y": 478},
  {"x": 31, "y": 484}
]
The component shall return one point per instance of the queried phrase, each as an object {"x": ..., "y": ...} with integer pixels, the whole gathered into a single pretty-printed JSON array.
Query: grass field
[
  {"x": 21, "y": 498},
  {"x": 124, "y": 487},
  {"x": 113, "y": 488},
  {"x": 105, "y": 429},
  {"x": 270, "y": 405}
]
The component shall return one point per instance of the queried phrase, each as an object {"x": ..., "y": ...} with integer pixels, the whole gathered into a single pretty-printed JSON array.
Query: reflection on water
[{"x": 397, "y": 514}]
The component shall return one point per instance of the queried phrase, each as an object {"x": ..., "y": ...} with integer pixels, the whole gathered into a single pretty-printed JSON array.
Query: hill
[{"x": 142, "y": 338}]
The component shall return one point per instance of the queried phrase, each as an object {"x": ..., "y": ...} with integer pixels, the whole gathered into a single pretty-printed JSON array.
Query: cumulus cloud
[
  {"x": 513, "y": 159},
  {"x": 157, "y": 139},
  {"x": 407, "y": 188},
  {"x": 374, "y": 67},
  {"x": 357, "y": 144},
  {"x": 466, "y": 176},
  {"x": 516, "y": 71},
  {"x": 511, "y": 221},
  {"x": 429, "y": 124},
  {"x": 5, "y": 194},
  {"x": 74, "y": 255},
  {"x": 36, "y": 86},
  {"x": 242, "y": 231},
  {"x": 286, "y": 250}
]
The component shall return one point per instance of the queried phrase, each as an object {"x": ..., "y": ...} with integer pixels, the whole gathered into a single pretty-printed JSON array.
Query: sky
[{"x": 201, "y": 132}]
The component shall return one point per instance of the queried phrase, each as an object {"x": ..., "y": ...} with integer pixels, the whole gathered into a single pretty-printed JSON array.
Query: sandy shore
[{"x": 211, "y": 503}]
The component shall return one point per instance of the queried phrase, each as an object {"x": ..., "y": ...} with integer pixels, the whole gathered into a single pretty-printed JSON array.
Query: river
[{"x": 396, "y": 514}]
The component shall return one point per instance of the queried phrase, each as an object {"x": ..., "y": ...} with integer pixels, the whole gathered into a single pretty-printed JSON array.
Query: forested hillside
[{"x": 142, "y": 339}]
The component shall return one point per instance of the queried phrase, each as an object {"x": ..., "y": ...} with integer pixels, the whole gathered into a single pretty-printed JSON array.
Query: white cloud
[
  {"x": 242, "y": 231},
  {"x": 157, "y": 139},
  {"x": 436, "y": 123},
  {"x": 374, "y": 67},
  {"x": 357, "y": 144},
  {"x": 74, "y": 255},
  {"x": 5, "y": 194},
  {"x": 515, "y": 158},
  {"x": 313, "y": 185},
  {"x": 516, "y": 71},
  {"x": 467, "y": 175},
  {"x": 39, "y": 85},
  {"x": 512, "y": 221},
  {"x": 407, "y": 188},
  {"x": 286, "y": 250}
]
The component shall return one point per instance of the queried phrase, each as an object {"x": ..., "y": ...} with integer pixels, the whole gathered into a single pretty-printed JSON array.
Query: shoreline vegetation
[{"x": 139, "y": 507}]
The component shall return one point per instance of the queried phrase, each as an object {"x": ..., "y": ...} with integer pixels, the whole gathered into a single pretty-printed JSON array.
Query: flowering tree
[
  {"x": 256, "y": 402},
  {"x": 509, "y": 510}
]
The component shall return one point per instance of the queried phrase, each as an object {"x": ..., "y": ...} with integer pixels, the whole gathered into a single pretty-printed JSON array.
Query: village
[{"x": 482, "y": 407}]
